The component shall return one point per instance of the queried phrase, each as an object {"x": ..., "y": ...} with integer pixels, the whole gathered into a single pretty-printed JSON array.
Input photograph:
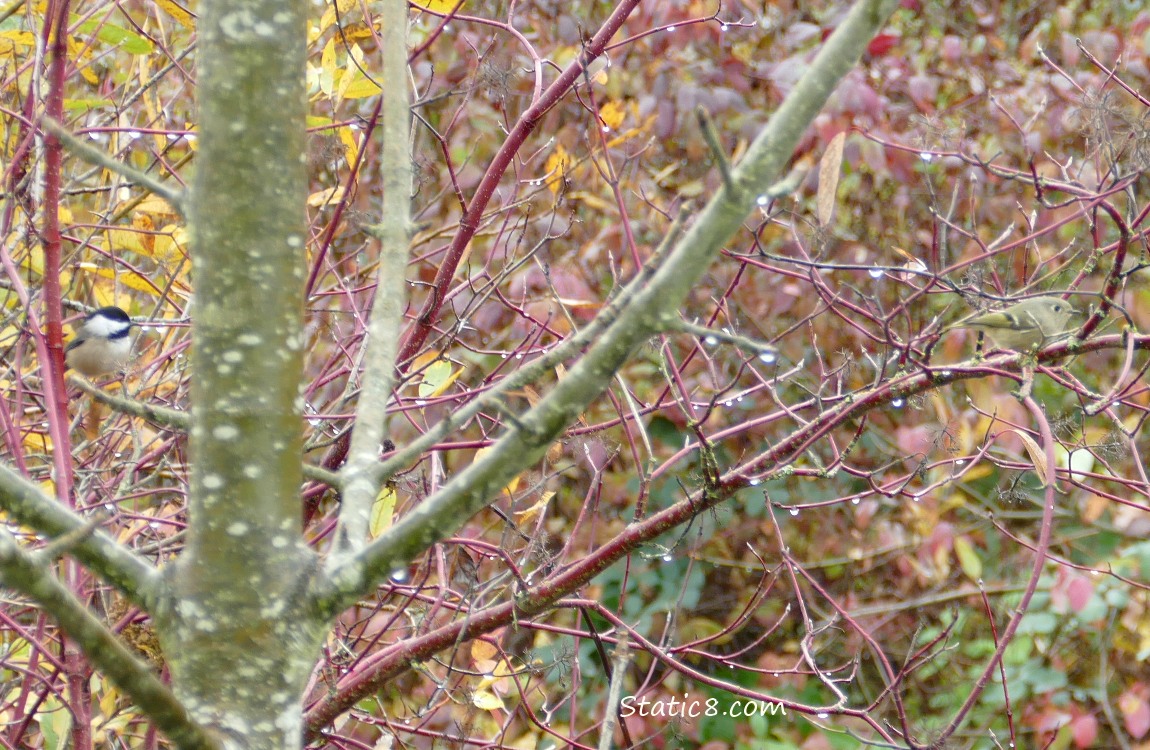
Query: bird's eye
[{"x": 1058, "y": 308}]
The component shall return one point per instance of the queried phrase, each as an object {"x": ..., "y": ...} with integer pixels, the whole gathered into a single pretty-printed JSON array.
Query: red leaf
[
  {"x": 1085, "y": 730},
  {"x": 1135, "y": 713},
  {"x": 1080, "y": 590},
  {"x": 881, "y": 44}
]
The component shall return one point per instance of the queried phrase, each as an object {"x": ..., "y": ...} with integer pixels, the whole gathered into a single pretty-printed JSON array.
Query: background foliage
[{"x": 863, "y": 574}]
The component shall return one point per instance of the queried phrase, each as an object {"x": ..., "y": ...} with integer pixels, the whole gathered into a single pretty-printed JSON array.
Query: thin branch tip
[
  {"x": 96, "y": 157},
  {"x": 711, "y": 136}
]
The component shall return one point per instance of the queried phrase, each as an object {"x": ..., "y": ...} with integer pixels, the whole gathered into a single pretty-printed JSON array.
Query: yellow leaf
[
  {"x": 968, "y": 559},
  {"x": 905, "y": 255},
  {"x": 979, "y": 472},
  {"x": 127, "y": 239},
  {"x": 481, "y": 650},
  {"x": 11, "y": 41},
  {"x": 556, "y": 168},
  {"x": 131, "y": 280},
  {"x": 37, "y": 442},
  {"x": 438, "y": 6},
  {"x": 350, "y": 146},
  {"x": 692, "y": 189},
  {"x": 9, "y": 335},
  {"x": 486, "y": 700},
  {"x": 102, "y": 295},
  {"x": 181, "y": 14},
  {"x": 328, "y": 197},
  {"x": 139, "y": 283},
  {"x": 16, "y": 652},
  {"x": 941, "y": 560},
  {"x": 382, "y": 511},
  {"x": 146, "y": 226},
  {"x": 327, "y": 65},
  {"x": 108, "y": 697},
  {"x": 512, "y": 485},
  {"x": 529, "y": 514},
  {"x": 593, "y": 201},
  {"x": 498, "y": 671},
  {"x": 745, "y": 52},
  {"x": 529, "y": 740},
  {"x": 82, "y": 53},
  {"x": 565, "y": 55},
  {"x": 327, "y": 20},
  {"x": 597, "y": 70},
  {"x": 952, "y": 501},
  {"x": 423, "y": 360},
  {"x": 641, "y": 130},
  {"x": 830, "y": 167},
  {"x": 355, "y": 85},
  {"x": 172, "y": 243},
  {"x": 154, "y": 204},
  {"x": 34, "y": 260},
  {"x": 1037, "y": 456},
  {"x": 665, "y": 172},
  {"x": 357, "y": 32},
  {"x": 55, "y": 722},
  {"x": 612, "y": 114}
]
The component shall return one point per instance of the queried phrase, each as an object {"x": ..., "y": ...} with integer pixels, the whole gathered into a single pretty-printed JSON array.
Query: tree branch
[
  {"x": 175, "y": 420},
  {"x": 98, "y": 551},
  {"x": 652, "y": 310},
  {"x": 469, "y": 223},
  {"x": 22, "y": 572},
  {"x": 100, "y": 159},
  {"x": 378, "y": 378}
]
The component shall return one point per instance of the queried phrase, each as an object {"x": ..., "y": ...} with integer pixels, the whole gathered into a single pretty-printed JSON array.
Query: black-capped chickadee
[{"x": 101, "y": 345}]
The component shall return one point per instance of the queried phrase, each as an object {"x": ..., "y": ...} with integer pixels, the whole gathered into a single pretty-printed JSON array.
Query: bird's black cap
[{"x": 113, "y": 313}]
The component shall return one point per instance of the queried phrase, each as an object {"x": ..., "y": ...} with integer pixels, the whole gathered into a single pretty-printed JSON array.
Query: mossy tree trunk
[{"x": 236, "y": 629}]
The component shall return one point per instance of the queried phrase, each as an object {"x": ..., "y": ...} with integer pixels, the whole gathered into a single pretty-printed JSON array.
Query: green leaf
[
  {"x": 86, "y": 104},
  {"x": 55, "y": 722},
  {"x": 382, "y": 511},
  {"x": 437, "y": 377},
  {"x": 117, "y": 36}
]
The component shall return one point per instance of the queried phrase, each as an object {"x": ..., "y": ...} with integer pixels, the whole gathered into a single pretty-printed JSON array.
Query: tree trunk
[{"x": 235, "y": 625}]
